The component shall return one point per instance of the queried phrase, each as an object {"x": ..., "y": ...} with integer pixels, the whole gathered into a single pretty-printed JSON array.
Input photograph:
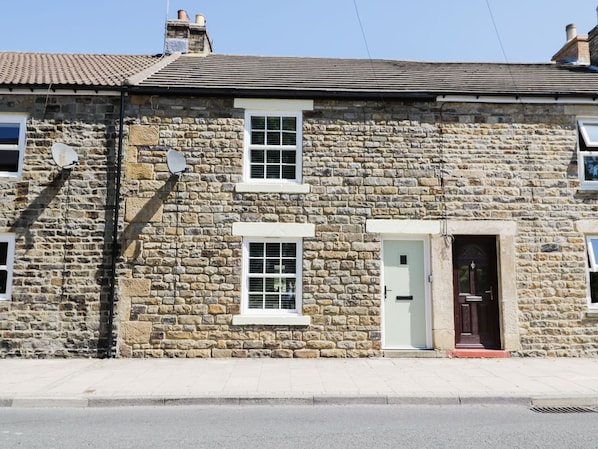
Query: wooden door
[{"x": 475, "y": 283}]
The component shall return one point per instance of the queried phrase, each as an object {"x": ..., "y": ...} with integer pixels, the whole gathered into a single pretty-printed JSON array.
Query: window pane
[
  {"x": 272, "y": 266},
  {"x": 592, "y": 133},
  {"x": 3, "y": 253},
  {"x": 258, "y": 122},
  {"x": 3, "y": 283},
  {"x": 288, "y": 157},
  {"x": 271, "y": 285},
  {"x": 256, "y": 266},
  {"x": 288, "y": 266},
  {"x": 257, "y": 172},
  {"x": 273, "y": 138},
  {"x": 9, "y": 160},
  {"x": 594, "y": 243},
  {"x": 272, "y": 302},
  {"x": 258, "y": 137},
  {"x": 289, "y": 123},
  {"x": 256, "y": 301},
  {"x": 272, "y": 249},
  {"x": 273, "y": 157},
  {"x": 594, "y": 287},
  {"x": 273, "y": 172},
  {"x": 257, "y": 156},
  {"x": 9, "y": 133},
  {"x": 289, "y": 139},
  {"x": 289, "y": 250},
  {"x": 256, "y": 285},
  {"x": 273, "y": 123},
  {"x": 288, "y": 172},
  {"x": 590, "y": 164},
  {"x": 256, "y": 249}
]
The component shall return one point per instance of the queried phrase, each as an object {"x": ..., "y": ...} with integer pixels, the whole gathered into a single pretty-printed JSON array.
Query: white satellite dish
[
  {"x": 176, "y": 162},
  {"x": 64, "y": 156}
]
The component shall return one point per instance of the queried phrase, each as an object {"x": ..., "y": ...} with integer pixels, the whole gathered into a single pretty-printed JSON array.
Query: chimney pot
[
  {"x": 182, "y": 15},
  {"x": 200, "y": 20},
  {"x": 571, "y": 30}
]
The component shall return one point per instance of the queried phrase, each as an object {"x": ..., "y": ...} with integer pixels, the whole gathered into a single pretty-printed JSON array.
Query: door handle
[
  {"x": 386, "y": 289},
  {"x": 491, "y": 293}
]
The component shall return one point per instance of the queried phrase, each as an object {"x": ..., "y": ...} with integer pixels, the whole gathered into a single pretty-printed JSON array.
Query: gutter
[{"x": 116, "y": 218}]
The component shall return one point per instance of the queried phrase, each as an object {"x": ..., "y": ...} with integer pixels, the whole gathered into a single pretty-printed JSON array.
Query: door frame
[{"x": 427, "y": 288}]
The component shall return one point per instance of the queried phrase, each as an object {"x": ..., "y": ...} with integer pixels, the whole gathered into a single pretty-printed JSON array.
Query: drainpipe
[{"x": 115, "y": 244}]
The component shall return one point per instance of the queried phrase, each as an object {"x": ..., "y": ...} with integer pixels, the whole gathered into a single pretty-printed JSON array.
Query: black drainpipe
[{"x": 115, "y": 244}]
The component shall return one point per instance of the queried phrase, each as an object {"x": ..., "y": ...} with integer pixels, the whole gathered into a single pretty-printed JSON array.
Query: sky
[{"x": 426, "y": 30}]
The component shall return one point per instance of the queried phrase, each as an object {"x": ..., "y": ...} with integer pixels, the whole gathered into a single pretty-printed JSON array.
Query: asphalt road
[{"x": 289, "y": 427}]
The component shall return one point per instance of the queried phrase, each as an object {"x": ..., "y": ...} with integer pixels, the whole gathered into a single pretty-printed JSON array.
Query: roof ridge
[{"x": 144, "y": 74}]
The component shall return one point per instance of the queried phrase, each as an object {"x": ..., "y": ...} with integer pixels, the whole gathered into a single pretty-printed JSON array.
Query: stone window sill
[
  {"x": 263, "y": 187},
  {"x": 291, "y": 320}
]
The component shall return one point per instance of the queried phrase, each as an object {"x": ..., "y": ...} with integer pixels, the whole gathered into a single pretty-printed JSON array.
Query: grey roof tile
[{"x": 296, "y": 74}]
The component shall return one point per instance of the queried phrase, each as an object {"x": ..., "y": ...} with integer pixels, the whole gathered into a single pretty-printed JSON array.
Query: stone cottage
[{"x": 245, "y": 206}]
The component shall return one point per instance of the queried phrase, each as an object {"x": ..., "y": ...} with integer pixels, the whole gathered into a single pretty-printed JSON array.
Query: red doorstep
[{"x": 478, "y": 353}]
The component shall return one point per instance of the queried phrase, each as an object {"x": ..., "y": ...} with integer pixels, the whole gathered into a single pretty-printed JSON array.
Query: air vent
[{"x": 562, "y": 409}]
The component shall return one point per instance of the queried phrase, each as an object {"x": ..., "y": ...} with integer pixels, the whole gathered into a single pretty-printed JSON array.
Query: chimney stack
[
  {"x": 185, "y": 37},
  {"x": 576, "y": 49}
]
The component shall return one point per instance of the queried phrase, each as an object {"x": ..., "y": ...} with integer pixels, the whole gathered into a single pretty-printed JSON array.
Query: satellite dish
[
  {"x": 64, "y": 156},
  {"x": 176, "y": 162}
]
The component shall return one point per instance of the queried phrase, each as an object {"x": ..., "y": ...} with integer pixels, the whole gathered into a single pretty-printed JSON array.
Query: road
[{"x": 289, "y": 427}]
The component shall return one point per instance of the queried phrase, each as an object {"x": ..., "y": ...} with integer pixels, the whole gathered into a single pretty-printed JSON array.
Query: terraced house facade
[{"x": 244, "y": 206}]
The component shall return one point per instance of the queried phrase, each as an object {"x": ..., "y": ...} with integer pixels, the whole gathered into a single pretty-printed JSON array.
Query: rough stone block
[
  {"x": 140, "y": 171},
  {"x": 143, "y": 210},
  {"x": 144, "y": 135},
  {"x": 135, "y": 332},
  {"x": 135, "y": 287}
]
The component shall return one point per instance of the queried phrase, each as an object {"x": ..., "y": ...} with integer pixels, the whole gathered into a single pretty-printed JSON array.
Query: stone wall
[
  {"x": 364, "y": 160},
  {"x": 62, "y": 223}
]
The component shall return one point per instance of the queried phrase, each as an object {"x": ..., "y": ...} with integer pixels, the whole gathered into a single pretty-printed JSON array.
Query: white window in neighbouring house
[
  {"x": 272, "y": 276},
  {"x": 592, "y": 248},
  {"x": 7, "y": 249},
  {"x": 588, "y": 153},
  {"x": 12, "y": 144}
]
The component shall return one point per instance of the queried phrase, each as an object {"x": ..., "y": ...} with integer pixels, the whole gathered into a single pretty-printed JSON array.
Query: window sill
[
  {"x": 291, "y": 320},
  {"x": 263, "y": 187},
  {"x": 592, "y": 314}
]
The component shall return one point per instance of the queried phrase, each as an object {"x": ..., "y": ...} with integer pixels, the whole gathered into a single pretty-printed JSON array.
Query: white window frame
[
  {"x": 591, "y": 151},
  {"x": 278, "y": 232},
  {"x": 280, "y": 108},
  {"x": 21, "y": 120},
  {"x": 297, "y": 276},
  {"x": 8, "y": 265},
  {"x": 592, "y": 267}
]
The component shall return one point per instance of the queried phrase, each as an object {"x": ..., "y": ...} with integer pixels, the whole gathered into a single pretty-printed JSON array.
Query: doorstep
[
  {"x": 478, "y": 353},
  {"x": 413, "y": 353}
]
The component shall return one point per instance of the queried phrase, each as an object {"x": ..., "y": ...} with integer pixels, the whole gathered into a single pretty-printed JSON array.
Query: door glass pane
[
  {"x": 464, "y": 279},
  {"x": 481, "y": 280}
]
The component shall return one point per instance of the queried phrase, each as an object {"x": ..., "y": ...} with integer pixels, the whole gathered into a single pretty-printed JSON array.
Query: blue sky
[{"x": 431, "y": 30}]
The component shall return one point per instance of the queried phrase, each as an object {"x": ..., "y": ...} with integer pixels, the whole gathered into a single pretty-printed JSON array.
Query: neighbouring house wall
[
  {"x": 181, "y": 274},
  {"x": 62, "y": 222}
]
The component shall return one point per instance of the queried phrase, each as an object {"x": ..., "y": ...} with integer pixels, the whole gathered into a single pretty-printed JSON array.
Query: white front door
[{"x": 405, "y": 294}]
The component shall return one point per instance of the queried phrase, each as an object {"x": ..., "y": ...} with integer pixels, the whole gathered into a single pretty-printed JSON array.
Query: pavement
[{"x": 150, "y": 382}]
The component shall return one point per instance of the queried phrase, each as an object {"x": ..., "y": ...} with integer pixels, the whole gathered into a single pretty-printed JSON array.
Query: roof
[
  {"x": 293, "y": 76},
  {"x": 20, "y": 69},
  {"x": 236, "y": 73}
]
